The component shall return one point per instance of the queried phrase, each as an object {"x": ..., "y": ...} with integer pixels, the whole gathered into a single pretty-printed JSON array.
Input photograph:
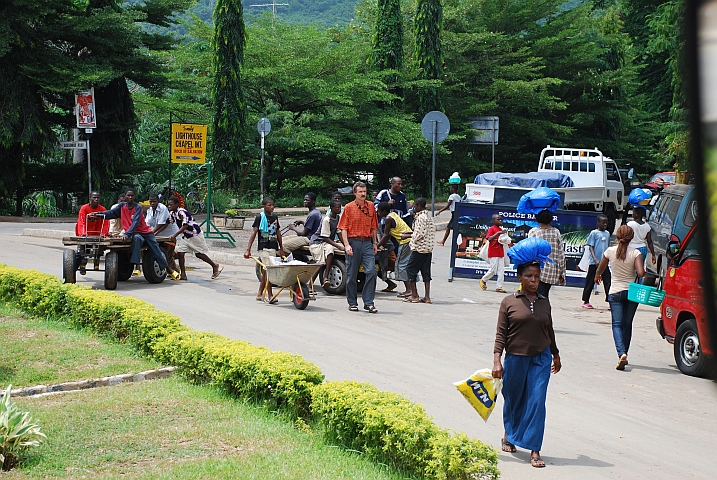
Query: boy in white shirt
[
  {"x": 642, "y": 240},
  {"x": 452, "y": 200}
]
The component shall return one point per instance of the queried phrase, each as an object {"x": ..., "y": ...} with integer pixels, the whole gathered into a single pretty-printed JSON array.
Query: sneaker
[
  {"x": 482, "y": 284},
  {"x": 587, "y": 305},
  {"x": 137, "y": 272},
  {"x": 623, "y": 361}
]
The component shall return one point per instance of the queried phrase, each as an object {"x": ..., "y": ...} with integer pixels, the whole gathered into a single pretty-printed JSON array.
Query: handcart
[
  {"x": 116, "y": 252},
  {"x": 297, "y": 278}
]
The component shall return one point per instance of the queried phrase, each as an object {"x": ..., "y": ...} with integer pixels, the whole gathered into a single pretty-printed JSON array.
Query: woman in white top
[
  {"x": 626, "y": 264},
  {"x": 642, "y": 240}
]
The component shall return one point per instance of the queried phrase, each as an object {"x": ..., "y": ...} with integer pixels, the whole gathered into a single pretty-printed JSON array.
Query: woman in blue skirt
[{"x": 525, "y": 332}]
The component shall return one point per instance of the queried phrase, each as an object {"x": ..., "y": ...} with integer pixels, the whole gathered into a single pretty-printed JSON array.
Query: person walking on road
[
  {"x": 552, "y": 273},
  {"x": 266, "y": 226},
  {"x": 496, "y": 255},
  {"x": 525, "y": 332},
  {"x": 421, "y": 245},
  {"x": 598, "y": 241},
  {"x": 642, "y": 241},
  {"x": 358, "y": 226},
  {"x": 189, "y": 238},
  {"x": 394, "y": 227},
  {"x": 626, "y": 264},
  {"x": 452, "y": 200}
]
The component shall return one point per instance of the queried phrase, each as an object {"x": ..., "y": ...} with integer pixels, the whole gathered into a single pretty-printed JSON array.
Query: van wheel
[
  {"x": 337, "y": 277},
  {"x": 688, "y": 353}
]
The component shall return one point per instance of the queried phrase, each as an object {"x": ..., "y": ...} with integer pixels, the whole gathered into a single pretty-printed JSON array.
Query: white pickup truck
[{"x": 596, "y": 178}]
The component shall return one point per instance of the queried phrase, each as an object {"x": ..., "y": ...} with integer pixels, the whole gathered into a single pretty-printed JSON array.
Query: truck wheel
[
  {"x": 611, "y": 219},
  {"x": 111, "y": 270},
  {"x": 150, "y": 268},
  {"x": 300, "y": 295},
  {"x": 336, "y": 276},
  {"x": 124, "y": 271},
  {"x": 69, "y": 266},
  {"x": 688, "y": 354}
]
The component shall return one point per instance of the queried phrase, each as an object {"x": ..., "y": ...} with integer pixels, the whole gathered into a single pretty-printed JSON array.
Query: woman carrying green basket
[{"x": 626, "y": 264}]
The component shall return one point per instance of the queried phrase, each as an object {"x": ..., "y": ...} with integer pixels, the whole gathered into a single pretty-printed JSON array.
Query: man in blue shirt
[
  {"x": 304, "y": 230},
  {"x": 598, "y": 241}
]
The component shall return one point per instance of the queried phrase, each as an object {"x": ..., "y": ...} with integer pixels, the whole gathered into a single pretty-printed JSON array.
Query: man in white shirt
[{"x": 159, "y": 220}]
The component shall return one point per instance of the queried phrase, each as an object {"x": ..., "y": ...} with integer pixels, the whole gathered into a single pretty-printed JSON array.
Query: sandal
[
  {"x": 424, "y": 300},
  {"x": 370, "y": 308},
  {"x": 536, "y": 461},
  {"x": 353, "y": 308},
  {"x": 506, "y": 446},
  {"x": 404, "y": 295},
  {"x": 411, "y": 300}
]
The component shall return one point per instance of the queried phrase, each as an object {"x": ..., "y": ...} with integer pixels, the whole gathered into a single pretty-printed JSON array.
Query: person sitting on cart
[
  {"x": 323, "y": 244},
  {"x": 189, "y": 238},
  {"x": 136, "y": 229},
  {"x": 304, "y": 230},
  {"x": 266, "y": 226},
  {"x": 90, "y": 226}
]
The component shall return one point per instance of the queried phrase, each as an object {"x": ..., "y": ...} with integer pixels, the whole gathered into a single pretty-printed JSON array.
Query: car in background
[
  {"x": 683, "y": 318},
  {"x": 660, "y": 181},
  {"x": 673, "y": 212}
]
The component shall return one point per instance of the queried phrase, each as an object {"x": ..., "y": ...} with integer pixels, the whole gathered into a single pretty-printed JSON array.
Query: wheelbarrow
[{"x": 298, "y": 279}]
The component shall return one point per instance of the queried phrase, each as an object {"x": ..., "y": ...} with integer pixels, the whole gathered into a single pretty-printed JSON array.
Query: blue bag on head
[
  {"x": 529, "y": 250},
  {"x": 540, "y": 199},
  {"x": 639, "y": 196}
]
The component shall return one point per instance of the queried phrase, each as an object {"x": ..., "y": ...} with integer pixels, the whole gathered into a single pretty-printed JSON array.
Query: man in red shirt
[
  {"x": 91, "y": 227},
  {"x": 496, "y": 254},
  {"x": 134, "y": 226},
  {"x": 358, "y": 224}
]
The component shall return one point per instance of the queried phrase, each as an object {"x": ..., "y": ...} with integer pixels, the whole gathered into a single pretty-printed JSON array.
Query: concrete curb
[
  {"x": 46, "y": 233},
  {"x": 39, "y": 390}
]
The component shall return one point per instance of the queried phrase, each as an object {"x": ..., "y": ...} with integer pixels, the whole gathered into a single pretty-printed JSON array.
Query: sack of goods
[
  {"x": 481, "y": 390},
  {"x": 529, "y": 250},
  {"x": 639, "y": 196},
  {"x": 540, "y": 199}
]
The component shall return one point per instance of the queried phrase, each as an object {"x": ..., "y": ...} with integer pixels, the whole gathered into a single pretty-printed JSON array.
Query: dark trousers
[
  {"x": 590, "y": 282},
  {"x": 138, "y": 239}
]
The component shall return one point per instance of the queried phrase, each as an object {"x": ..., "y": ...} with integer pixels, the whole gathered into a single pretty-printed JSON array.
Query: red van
[{"x": 683, "y": 320}]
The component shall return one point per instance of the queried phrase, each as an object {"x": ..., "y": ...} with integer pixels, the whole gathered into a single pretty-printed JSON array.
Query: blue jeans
[
  {"x": 362, "y": 254},
  {"x": 138, "y": 239},
  {"x": 623, "y": 311}
]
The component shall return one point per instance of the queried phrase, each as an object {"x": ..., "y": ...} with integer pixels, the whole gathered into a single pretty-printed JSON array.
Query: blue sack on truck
[
  {"x": 529, "y": 250},
  {"x": 540, "y": 199}
]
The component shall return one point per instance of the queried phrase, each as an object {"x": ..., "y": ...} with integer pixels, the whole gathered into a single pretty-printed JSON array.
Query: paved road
[{"x": 648, "y": 422}]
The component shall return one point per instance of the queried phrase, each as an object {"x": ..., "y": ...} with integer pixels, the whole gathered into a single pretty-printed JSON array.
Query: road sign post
[
  {"x": 264, "y": 127},
  {"x": 487, "y": 134},
  {"x": 435, "y": 128}
]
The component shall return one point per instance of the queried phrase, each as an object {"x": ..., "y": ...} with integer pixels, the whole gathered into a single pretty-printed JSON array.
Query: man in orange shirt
[
  {"x": 358, "y": 224},
  {"x": 91, "y": 227}
]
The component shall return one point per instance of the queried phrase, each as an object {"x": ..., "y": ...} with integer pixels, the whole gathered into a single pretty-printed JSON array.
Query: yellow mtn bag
[{"x": 481, "y": 390}]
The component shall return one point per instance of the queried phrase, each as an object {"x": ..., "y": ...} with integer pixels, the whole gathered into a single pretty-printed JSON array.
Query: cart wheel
[
  {"x": 336, "y": 276},
  {"x": 300, "y": 295},
  {"x": 124, "y": 272},
  {"x": 69, "y": 266},
  {"x": 111, "y": 270},
  {"x": 151, "y": 269}
]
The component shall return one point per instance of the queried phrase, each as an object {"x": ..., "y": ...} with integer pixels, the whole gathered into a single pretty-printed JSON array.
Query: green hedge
[
  {"x": 385, "y": 426},
  {"x": 393, "y": 430}
]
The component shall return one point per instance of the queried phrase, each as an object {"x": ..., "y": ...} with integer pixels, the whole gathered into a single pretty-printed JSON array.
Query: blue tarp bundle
[
  {"x": 525, "y": 180},
  {"x": 638, "y": 196},
  {"x": 538, "y": 200},
  {"x": 531, "y": 249}
]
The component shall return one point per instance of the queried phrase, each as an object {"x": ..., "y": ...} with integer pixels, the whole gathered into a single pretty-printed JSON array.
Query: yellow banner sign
[{"x": 189, "y": 143}]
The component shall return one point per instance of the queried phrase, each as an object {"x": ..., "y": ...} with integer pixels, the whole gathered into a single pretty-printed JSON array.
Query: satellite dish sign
[{"x": 442, "y": 125}]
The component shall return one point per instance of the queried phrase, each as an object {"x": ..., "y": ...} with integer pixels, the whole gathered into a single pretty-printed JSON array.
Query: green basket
[{"x": 645, "y": 295}]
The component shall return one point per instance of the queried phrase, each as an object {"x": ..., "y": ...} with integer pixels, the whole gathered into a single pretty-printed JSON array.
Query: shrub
[
  {"x": 391, "y": 429},
  {"x": 17, "y": 432}
]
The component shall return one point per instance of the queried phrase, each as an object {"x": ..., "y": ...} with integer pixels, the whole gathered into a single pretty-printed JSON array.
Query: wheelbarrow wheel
[{"x": 300, "y": 295}]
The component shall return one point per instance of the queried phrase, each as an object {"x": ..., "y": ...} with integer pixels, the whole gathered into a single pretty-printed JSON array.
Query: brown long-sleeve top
[{"x": 521, "y": 331}]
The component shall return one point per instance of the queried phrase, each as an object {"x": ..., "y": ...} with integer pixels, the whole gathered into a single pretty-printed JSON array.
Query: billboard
[
  {"x": 85, "y": 109},
  {"x": 473, "y": 220},
  {"x": 189, "y": 143}
]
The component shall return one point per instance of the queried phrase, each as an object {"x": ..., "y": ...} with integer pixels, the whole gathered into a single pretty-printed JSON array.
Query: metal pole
[
  {"x": 492, "y": 148},
  {"x": 89, "y": 170},
  {"x": 209, "y": 195},
  {"x": 261, "y": 176},
  {"x": 170, "y": 156},
  {"x": 433, "y": 179}
]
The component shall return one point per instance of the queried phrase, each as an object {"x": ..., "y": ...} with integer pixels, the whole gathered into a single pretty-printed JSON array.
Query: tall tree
[
  {"x": 230, "y": 128},
  {"x": 388, "y": 37},
  {"x": 429, "y": 52}
]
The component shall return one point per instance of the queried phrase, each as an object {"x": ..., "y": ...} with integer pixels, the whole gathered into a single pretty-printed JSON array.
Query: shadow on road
[{"x": 580, "y": 461}]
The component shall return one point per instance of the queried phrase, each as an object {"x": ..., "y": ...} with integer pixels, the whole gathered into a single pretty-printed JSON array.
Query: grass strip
[
  {"x": 169, "y": 429},
  {"x": 35, "y": 351}
]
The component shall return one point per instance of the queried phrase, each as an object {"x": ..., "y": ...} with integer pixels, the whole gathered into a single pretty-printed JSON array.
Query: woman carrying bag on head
[
  {"x": 525, "y": 332},
  {"x": 626, "y": 265}
]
